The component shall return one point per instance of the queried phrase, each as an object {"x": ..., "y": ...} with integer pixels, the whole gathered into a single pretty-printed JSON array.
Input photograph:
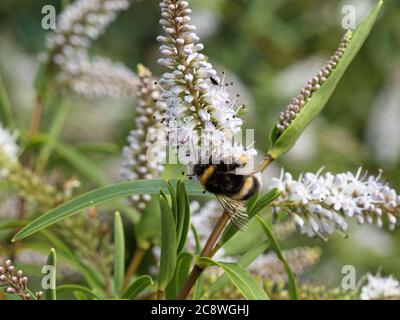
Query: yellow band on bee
[
  {"x": 248, "y": 184},
  {"x": 206, "y": 174}
]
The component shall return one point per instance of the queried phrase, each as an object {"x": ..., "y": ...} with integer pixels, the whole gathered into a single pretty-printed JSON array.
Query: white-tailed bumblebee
[{"x": 230, "y": 188}]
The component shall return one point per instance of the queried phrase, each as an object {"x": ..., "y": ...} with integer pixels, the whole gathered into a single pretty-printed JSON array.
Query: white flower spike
[{"x": 319, "y": 203}]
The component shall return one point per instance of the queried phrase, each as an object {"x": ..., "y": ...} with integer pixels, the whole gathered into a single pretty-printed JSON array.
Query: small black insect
[{"x": 214, "y": 81}]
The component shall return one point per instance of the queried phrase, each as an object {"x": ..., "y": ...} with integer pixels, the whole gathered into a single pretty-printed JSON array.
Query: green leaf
[
  {"x": 79, "y": 295},
  {"x": 6, "y": 115},
  {"x": 148, "y": 229},
  {"x": 139, "y": 285},
  {"x": 263, "y": 201},
  {"x": 129, "y": 212},
  {"x": 244, "y": 261},
  {"x": 76, "y": 159},
  {"x": 182, "y": 270},
  {"x": 71, "y": 288},
  {"x": 283, "y": 143},
  {"x": 275, "y": 245},
  {"x": 196, "y": 239},
  {"x": 96, "y": 197},
  {"x": 168, "y": 245},
  {"x": 106, "y": 148},
  {"x": 242, "y": 242},
  {"x": 88, "y": 273},
  {"x": 255, "y": 206},
  {"x": 173, "y": 198},
  {"x": 50, "y": 293},
  {"x": 53, "y": 134},
  {"x": 198, "y": 287},
  {"x": 243, "y": 280},
  {"x": 119, "y": 254},
  {"x": 183, "y": 215},
  {"x": 65, "y": 3}
]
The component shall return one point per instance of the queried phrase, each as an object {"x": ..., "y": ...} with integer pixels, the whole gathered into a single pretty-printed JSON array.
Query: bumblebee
[{"x": 230, "y": 188}]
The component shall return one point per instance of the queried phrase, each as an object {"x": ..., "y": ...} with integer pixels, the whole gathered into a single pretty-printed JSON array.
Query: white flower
[
  {"x": 98, "y": 77},
  {"x": 84, "y": 21},
  {"x": 8, "y": 150},
  {"x": 320, "y": 202},
  {"x": 380, "y": 288},
  {"x": 144, "y": 155},
  {"x": 193, "y": 89},
  {"x": 78, "y": 25},
  {"x": 8, "y": 146}
]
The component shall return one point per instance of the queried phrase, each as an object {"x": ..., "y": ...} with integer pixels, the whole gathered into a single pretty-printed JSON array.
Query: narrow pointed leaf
[
  {"x": 284, "y": 142},
  {"x": 243, "y": 280},
  {"x": 183, "y": 267},
  {"x": 138, "y": 286},
  {"x": 173, "y": 198},
  {"x": 183, "y": 215},
  {"x": 6, "y": 115},
  {"x": 244, "y": 261},
  {"x": 51, "y": 293},
  {"x": 119, "y": 254},
  {"x": 276, "y": 247},
  {"x": 71, "y": 288},
  {"x": 168, "y": 245},
  {"x": 99, "y": 196},
  {"x": 199, "y": 287}
]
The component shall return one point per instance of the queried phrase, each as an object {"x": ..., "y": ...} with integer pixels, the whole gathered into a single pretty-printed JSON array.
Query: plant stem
[
  {"x": 211, "y": 246},
  {"x": 36, "y": 116},
  {"x": 33, "y": 130},
  {"x": 265, "y": 163},
  {"x": 160, "y": 295},
  {"x": 134, "y": 264},
  {"x": 206, "y": 252}
]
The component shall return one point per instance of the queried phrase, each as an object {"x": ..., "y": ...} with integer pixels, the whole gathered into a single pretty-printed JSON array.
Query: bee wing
[{"x": 236, "y": 211}]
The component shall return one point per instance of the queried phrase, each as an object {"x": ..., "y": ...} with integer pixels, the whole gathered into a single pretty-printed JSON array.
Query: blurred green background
[{"x": 270, "y": 49}]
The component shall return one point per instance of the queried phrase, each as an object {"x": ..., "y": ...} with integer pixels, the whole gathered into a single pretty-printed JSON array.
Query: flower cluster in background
[
  {"x": 78, "y": 26},
  {"x": 23, "y": 180},
  {"x": 319, "y": 203},
  {"x": 269, "y": 268},
  {"x": 143, "y": 156},
  {"x": 100, "y": 77},
  {"x": 380, "y": 288}
]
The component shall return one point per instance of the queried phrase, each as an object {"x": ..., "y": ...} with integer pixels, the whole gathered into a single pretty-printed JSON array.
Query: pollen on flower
[{"x": 293, "y": 109}]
